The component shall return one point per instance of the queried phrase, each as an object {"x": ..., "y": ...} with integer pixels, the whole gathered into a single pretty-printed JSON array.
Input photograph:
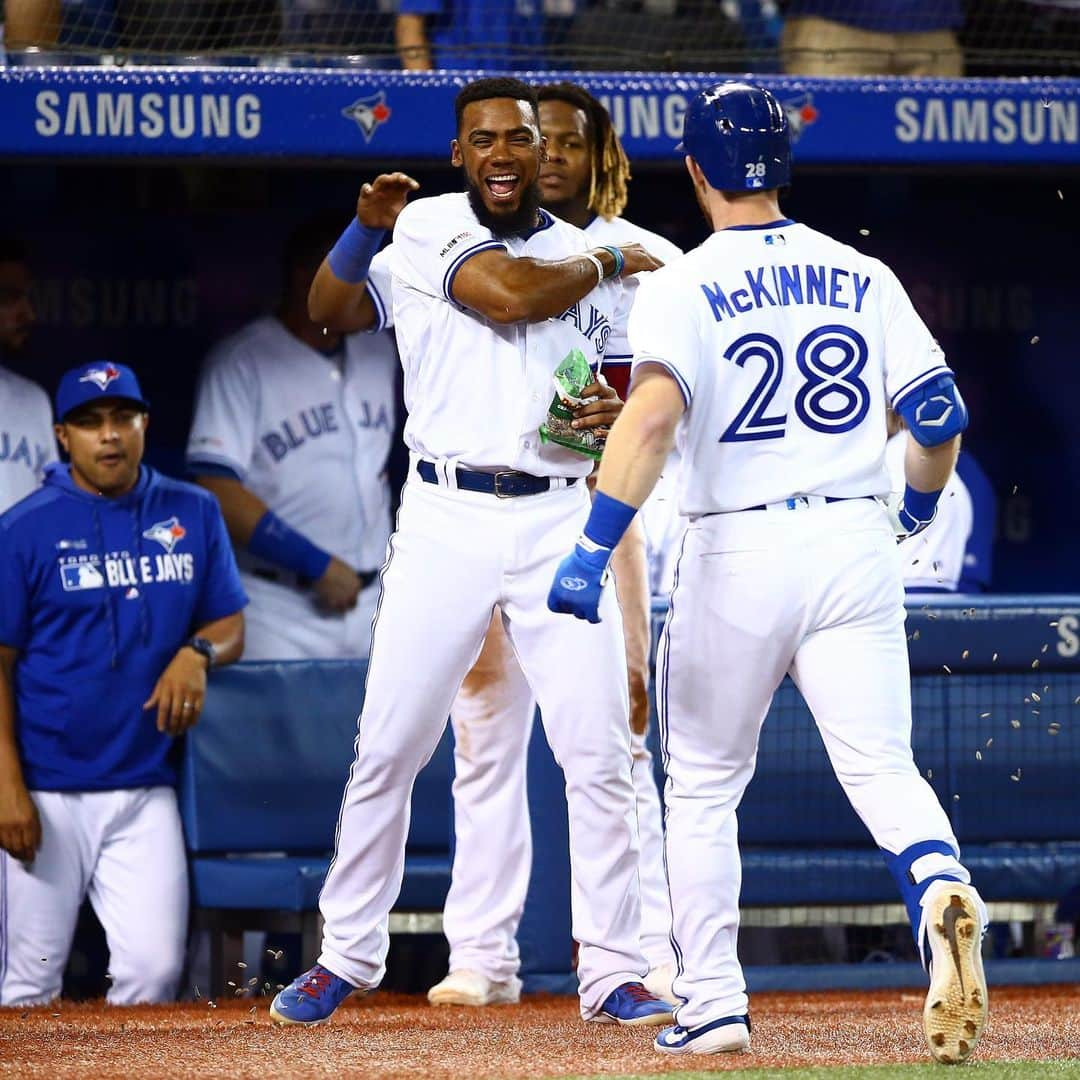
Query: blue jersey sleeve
[
  {"x": 222, "y": 593},
  {"x": 15, "y": 590}
]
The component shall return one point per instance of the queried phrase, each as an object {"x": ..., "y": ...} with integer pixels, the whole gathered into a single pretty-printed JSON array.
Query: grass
[{"x": 982, "y": 1070}]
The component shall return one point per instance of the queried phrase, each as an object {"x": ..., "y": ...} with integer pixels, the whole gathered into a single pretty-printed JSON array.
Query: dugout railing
[{"x": 996, "y": 690}]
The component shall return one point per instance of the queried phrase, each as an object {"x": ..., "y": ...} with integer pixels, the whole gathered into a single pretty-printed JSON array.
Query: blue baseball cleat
[
  {"x": 725, "y": 1036},
  {"x": 633, "y": 1006},
  {"x": 310, "y": 998}
]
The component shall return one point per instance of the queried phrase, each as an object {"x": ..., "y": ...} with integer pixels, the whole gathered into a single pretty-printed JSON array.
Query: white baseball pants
[
  {"x": 492, "y": 719},
  {"x": 455, "y": 557},
  {"x": 125, "y": 850},
  {"x": 815, "y": 593}
]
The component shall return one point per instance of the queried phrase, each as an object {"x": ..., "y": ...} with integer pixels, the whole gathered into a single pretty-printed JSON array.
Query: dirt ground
[{"x": 402, "y": 1036}]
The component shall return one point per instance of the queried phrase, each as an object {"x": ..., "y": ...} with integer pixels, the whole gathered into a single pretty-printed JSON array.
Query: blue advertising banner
[{"x": 327, "y": 114}]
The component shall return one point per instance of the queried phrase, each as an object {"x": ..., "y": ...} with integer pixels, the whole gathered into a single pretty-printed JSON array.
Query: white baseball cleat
[
  {"x": 956, "y": 1006},
  {"x": 658, "y": 982},
  {"x": 729, "y": 1035},
  {"x": 472, "y": 988}
]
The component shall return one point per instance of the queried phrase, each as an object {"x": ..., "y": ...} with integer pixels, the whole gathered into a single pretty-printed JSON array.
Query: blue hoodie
[{"x": 97, "y": 595}]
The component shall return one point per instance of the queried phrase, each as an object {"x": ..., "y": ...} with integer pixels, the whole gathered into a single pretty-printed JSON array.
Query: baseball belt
[{"x": 505, "y": 484}]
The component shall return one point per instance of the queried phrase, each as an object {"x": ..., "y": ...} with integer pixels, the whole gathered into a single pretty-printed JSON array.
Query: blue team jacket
[{"x": 97, "y": 595}]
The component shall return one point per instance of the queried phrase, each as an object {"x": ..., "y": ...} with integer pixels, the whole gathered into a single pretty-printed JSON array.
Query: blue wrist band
[
  {"x": 608, "y": 520},
  {"x": 618, "y": 256},
  {"x": 350, "y": 258},
  {"x": 276, "y": 542},
  {"x": 920, "y": 504}
]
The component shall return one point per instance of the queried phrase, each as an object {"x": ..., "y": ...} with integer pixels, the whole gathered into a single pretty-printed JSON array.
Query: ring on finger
[{"x": 187, "y": 705}]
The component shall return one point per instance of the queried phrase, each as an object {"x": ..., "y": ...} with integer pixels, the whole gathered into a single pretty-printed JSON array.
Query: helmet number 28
[
  {"x": 755, "y": 169},
  {"x": 831, "y": 398}
]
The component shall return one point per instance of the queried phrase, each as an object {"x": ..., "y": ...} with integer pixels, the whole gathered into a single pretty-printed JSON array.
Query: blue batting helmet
[{"x": 739, "y": 135}]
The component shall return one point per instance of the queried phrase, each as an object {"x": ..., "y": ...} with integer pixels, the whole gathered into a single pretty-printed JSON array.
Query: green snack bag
[{"x": 571, "y": 377}]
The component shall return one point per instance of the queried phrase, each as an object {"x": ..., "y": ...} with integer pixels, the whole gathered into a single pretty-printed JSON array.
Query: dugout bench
[{"x": 996, "y": 696}]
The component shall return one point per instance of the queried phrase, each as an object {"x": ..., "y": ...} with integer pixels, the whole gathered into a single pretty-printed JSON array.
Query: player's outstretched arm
[
  {"x": 928, "y": 468},
  {"x": 634, "y": 457},
  {"x": 641, "y": 439},
  {"x": 505, "y": 289},
  {"x": 20, "y": 827},
  {"x": 338, "y": 298}
]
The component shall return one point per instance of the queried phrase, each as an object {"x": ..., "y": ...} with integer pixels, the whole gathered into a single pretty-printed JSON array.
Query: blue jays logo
[
  {"x": 368, "y": 113},
  {"x": 102, "y": 376},
  {"x": 167, "y": 533},
  {"x": 801, "y": 112}
]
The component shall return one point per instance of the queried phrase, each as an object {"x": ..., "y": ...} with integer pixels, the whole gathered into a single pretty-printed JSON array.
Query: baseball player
[
  {"x": 120, "y": 591},
  {"x": 291, "y": 433},
  {"x": 490, "y": 295},
  {"x": 27, "y": 443},
  {"x": 584, "y": 182},
  {"x": 774, "y": 351}
]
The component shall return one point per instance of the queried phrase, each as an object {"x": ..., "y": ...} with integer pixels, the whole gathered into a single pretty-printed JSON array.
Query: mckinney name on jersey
[
  {"x": 779, "y": 286},
  {"x": 788, "y": 347}
]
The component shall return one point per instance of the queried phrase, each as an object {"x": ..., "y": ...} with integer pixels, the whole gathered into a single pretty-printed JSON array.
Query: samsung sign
[
  {"x": 150, "y": 115},
  {"x": 1004, "y": 120},
  {"x": 396, "y": 116}
]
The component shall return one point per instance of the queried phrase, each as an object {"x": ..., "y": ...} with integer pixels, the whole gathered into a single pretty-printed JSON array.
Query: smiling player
[{"x": 490, "y": 294}]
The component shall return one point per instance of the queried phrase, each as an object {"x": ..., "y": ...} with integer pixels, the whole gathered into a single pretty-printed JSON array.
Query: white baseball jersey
[
  {"x": 484, "y": 410},
  {"x": 787, "y": 346},
  {"x": 306, "y": 435},
  {"x": 27, "y": 442},
  {"x": 934, "y": 559}
]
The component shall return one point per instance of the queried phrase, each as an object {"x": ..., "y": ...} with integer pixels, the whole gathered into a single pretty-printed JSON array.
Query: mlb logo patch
[
  {"x": 76, "y": 577},
  {"x": 167, "y": 533},
  {"x": 775, "y": 239}
]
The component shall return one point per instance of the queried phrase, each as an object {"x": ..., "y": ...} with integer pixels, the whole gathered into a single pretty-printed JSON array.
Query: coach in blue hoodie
[{"x": 118, "y": 590}]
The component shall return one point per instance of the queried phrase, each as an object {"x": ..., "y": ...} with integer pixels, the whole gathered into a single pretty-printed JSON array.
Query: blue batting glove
[
  {"x": 579, "y": 581},
  {"x": 909, "y": 520}
]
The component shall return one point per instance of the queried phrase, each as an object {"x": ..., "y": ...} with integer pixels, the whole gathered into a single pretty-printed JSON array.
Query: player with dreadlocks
[{"x": 584, "y": 181}]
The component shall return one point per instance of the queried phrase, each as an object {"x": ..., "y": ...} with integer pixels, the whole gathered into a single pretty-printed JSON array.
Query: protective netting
[{"x": 812, "y": 37}]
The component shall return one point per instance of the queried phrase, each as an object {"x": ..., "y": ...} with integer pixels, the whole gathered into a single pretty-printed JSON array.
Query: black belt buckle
[{"x": 497, "y": 478}]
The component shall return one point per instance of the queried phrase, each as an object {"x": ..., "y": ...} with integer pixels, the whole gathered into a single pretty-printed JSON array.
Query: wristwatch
[{"x": 204, "y": 647}]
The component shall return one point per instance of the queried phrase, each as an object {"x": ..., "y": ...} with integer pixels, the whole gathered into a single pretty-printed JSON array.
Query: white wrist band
[{"x": 600, "y": 275}]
